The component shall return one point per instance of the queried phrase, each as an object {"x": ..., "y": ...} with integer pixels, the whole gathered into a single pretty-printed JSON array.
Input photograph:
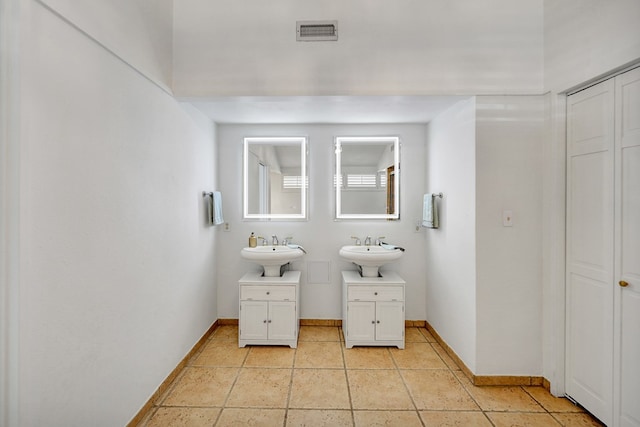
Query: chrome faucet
[
  {"x": 274, "y": 240},
  {"x": 358, "y": 242},
  {"x": 367, "y": 241},
  {"x": 286, "y": 240}
]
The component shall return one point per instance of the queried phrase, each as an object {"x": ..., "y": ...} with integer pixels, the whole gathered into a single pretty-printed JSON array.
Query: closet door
[
  {"x": 627, "y": 268},
  {"x": 590, "y": 244}
]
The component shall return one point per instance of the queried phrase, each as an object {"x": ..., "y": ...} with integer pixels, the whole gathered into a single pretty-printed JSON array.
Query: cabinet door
[
  {"x": 253, "y": 320},
  {"x": 361, "y": 318},
  {"x": 389, "y": 320},
  {"x": 282, "y": 320}
]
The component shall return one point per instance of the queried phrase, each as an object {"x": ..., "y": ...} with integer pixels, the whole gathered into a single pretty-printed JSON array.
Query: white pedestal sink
[
  {"x": 369, "y": 258},
  {"x": 271, "y": 257}
]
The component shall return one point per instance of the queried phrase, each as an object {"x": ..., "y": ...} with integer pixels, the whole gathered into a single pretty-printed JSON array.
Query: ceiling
[{"x": 324, "y": 109}]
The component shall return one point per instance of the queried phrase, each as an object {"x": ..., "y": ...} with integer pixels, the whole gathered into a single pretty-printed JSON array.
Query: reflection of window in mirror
[
  {"x": 275, "y": 178},
  {"x": 367, "y": 172}
]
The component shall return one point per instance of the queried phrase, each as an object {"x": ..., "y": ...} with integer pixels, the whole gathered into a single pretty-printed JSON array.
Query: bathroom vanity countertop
[
  {"x": 352, "y": 277},
  {"x": 256, "y": 278}
]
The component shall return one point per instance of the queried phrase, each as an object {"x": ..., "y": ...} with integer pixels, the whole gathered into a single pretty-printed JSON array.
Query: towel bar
[{"x": 438, "y": 195}]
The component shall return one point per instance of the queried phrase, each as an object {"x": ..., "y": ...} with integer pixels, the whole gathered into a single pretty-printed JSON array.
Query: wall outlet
[
  {"x": 226, "y": 227},
  {"x": 417, "y": 226}
]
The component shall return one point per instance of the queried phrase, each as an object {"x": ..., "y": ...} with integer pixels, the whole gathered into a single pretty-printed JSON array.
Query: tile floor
[{"x": 321, "y": 383}]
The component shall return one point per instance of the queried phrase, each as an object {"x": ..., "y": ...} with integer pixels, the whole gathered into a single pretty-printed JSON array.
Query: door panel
[
  {"x": 590, "y": 244},
  {"x": 361, "y": 320},
  {"x": 282, "y": 320},
  {"x": 253, "y": 320},
  {"x": 389, "y": 320},
  {"x": 627, "y": 325}
]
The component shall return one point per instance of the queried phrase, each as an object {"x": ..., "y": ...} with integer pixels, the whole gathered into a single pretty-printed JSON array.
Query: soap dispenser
[{"x": 253, "y": 241}]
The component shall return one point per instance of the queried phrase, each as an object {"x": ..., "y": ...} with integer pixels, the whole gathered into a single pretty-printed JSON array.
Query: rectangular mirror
[
  {"x": 275, "y": 178},
  {"x": 367, "y": 179}
]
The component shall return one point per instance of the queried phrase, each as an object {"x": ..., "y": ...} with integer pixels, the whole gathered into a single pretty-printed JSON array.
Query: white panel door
[
  {"x": 590, "y": 242},
  {"x": 361, "y": 316},
  {"x": 282, "y": 320},
  {"x": 389, "y": 320},
  {"x": 253, "y": 320},
  {"x": 627, "y": 268}
]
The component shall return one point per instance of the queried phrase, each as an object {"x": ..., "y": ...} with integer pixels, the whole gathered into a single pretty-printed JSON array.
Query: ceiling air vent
[{"x": 314, "y": 31}]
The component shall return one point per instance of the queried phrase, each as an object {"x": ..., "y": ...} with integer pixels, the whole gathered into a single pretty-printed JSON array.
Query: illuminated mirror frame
[
  {"x": 299, "y": 141},
  {"x": 396, "y": 182}
]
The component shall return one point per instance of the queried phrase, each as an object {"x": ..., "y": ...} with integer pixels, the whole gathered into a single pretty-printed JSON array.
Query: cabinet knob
[
  {"x": 264, "y": 321},
  {"x": 377, "y": 321},
  {"x": 375, "y": 293},
  {"x": 269, "y": 321},
  {"x": 268, "y": 293},
  {"x": 373, "y": 322},
  {"x": 623, "y": 284}
]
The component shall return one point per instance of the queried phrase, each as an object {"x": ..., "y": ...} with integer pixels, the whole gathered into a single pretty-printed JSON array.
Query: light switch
[{"x": 507, "y": 218}]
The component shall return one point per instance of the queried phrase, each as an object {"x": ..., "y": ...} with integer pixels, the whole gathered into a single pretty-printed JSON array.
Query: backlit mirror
[
  {"x": 367, "y": 179},
  {"x": 275, "y": 178}
]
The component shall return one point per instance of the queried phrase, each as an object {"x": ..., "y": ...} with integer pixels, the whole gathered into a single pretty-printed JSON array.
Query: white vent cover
[{"x": 313, "y": 31}]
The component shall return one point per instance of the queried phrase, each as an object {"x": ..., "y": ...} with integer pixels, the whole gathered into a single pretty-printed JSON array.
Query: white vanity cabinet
[
  {"x": 269, "y": 309},
  {"x": 373, "y": 310}
]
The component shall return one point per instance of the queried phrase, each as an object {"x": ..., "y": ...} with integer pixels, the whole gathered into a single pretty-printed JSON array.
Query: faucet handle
[
  {"x": 358, "y": 242},
  {"x": 264, "y": 241},
  {"x": 379, "y": 240},
  {"x": 286, "y": 240}
]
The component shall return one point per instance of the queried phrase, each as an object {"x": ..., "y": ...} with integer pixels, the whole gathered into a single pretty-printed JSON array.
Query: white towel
[
  {"x": 217, "y": 208},
  {"x": 429, "y": 212}
]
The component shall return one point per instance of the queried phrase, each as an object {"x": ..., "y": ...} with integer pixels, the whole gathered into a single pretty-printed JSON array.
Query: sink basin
[
  {"x": 369, "y": 258},
  {"x": 271, "y": 257}
]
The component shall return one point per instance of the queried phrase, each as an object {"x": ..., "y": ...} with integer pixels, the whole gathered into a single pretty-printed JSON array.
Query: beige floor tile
[
  {"x": 319, "y": 333},
  {"x": 417, "y": 356},
  {"x": 577, "y": 420},
  {"x": 437, "y": 389},
  {"x": 427, "y": 334},
  {"x": 503, "y": 398},
  {"x": 413, "y": 335},
  {"x": 368, "y": 358},
  {"x": 319, "y": 389},
  {"x": 378, "y": 389},
  {"x": 175, "y": 417},
  {"x": 311, "y": 354},
  {"x": 509, "y": 419},
  {"x": 550, "y": 402},
  {"x": 451, "y": 364},
  {"x": 386, "y": 418},
  {"x": 226, "y": 333},
  {"x": 319, "y": 418},
  {"x": 202, "y": 386},
  {"x": 261, "y": 388},
  {"x": 221, "y": 353},
  {"x": 454, "y": 419},
  {"x": 270, "y": 357},
  {"x": 237, "y": 417}
]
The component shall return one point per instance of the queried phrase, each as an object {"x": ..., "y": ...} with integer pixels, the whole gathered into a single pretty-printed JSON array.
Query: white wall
[
  {"x": 509, "y": 132},
  {"x": 138, "y": 31},
  {"x": 321, "y": 236},
  {"x": 403, "y": 47},
  {"x": 484, "y": 294},
  {"x": 584, "y": 39},
  {"x": 117, "y": 271},
  {"x": 450, "y": 251}
]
